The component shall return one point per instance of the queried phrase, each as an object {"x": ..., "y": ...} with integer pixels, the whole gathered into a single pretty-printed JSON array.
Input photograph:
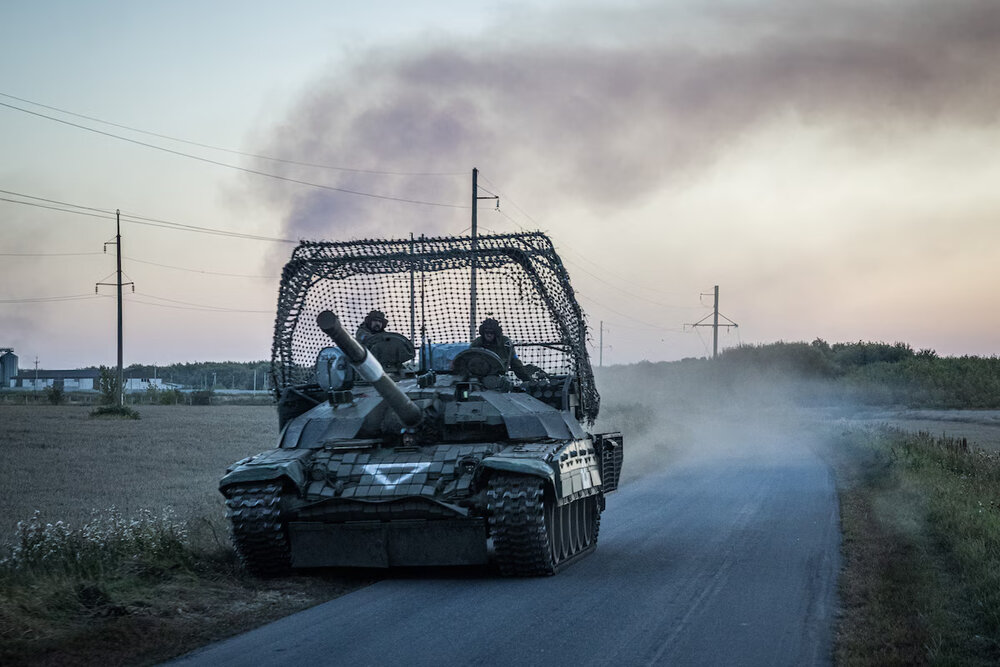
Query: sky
[{"x": 831, "y": 167}]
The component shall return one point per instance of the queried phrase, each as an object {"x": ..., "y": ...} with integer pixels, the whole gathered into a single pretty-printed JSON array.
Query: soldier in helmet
[
  {"x": 491, "y": 338},
  {"x": 375, "y": 322}
]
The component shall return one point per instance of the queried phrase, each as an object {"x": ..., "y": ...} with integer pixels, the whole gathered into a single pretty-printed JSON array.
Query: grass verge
[
  {"x": 921, "y": 528},
  {"x": 134, "y": 591}
]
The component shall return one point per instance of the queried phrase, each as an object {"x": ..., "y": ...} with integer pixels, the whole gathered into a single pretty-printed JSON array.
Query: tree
[
  {"x": 108, "y": 384},
  {"x": 55, "y": 395}
]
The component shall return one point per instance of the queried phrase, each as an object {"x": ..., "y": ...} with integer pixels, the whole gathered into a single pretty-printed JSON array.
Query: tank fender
[
  {"x": 267, "y": 466},
  {"x": 532, "y": 467}
]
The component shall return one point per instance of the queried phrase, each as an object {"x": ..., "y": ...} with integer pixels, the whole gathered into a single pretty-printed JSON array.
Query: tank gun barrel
[{"x": 370, "y": 369}]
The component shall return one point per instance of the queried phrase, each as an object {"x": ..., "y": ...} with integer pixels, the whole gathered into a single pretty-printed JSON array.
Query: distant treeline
[
  {"x": 864, "y": 372},
  {"x": 208, "y": 375}
]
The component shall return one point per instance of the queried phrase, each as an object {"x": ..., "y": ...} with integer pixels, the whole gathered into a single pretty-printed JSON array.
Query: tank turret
[{"x": 369, "y": 368}]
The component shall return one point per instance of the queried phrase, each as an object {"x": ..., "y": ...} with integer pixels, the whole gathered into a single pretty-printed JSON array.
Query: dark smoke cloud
[{"x": 608, "y": 107}]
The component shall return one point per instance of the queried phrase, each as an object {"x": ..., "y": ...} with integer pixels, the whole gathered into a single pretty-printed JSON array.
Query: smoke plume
[{"x": 605, "y": 106}]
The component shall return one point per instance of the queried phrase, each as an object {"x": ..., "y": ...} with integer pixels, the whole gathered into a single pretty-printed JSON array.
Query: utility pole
[
  {"x": 472, "y": 280},
  {"x": 715, "y": 315},
  {"x": 413, "y": 298},
  {"x": 600, "y": 355},
  {"x": 475, "y": 246},
  {"x": 118, "y": 283}
]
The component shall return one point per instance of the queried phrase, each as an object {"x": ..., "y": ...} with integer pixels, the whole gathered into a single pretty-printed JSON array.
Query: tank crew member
[
  {"x": 491, "y": 338},
  {"x": 374, "y": 323}
]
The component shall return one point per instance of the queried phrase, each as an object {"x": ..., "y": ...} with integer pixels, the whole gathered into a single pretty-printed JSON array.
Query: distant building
[
  {"x": 87, "y": 379},
  {"x": 8, "y": 367},
  {"x": 133, "y": 385}
]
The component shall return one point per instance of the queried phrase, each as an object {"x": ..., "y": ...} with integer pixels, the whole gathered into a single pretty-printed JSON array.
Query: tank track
[
  {"x": 531, "y": 536},
  {"x": 255, "y": 516}
]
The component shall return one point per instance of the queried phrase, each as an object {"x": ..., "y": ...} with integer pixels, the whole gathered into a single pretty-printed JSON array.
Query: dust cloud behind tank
[{"x": 413, "y": 448}]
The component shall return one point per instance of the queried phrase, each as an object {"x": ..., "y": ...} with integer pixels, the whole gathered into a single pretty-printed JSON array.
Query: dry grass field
[
  {"x": 980, "y": 428},
  {"x": 148, "y": 607},
  {"x": 62, "y": 462}
]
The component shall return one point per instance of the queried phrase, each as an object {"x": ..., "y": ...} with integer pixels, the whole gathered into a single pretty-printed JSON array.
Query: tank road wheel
[
  {"x": 258, "y": 528},
  {"x": 531, "y": 535},
  {"x": 579, "y": 523},
  {"x": 553, "y": 525},
  {"x": 592, "y": 520},
  {"x": 565, "y": 532}
]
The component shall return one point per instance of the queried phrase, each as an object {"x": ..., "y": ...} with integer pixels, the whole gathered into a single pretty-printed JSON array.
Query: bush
[
  {"x": 203, "y": 397},
  {"x": 802, "y": 359},
  {"x": 55, "y": 395},
  {"x": 169, "y": 396},
  {"x": 847, "y": 355},
  {"x": 123, "y": 412}
]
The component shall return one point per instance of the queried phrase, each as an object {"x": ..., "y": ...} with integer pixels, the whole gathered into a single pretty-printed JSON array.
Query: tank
[{"x": 427, "y": 449}]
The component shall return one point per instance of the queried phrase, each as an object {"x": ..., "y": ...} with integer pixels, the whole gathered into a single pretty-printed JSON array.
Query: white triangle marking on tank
[{"x": 401, "y": 472}]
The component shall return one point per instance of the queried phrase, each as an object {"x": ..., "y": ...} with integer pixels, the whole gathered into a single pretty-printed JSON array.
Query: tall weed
[{"x": 97, "y": 547}]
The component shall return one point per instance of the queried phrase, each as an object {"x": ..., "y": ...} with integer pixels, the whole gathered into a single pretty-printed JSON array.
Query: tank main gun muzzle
[{"x": 370, "y": 369}]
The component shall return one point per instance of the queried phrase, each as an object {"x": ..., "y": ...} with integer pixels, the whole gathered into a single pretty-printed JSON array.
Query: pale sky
[{"x": 832, "y": 167}]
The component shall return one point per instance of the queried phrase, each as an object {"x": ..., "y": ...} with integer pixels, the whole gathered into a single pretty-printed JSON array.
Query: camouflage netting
[{"x": 423, "y": 287}]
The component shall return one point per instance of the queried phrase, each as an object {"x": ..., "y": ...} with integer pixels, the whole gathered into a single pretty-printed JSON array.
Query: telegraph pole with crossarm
[
  {"x": 715, "y": 315},
  {"x": 118, "y": 283}
]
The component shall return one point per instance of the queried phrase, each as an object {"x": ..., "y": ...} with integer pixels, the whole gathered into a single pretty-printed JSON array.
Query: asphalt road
[{"x": 722, "y": 562}]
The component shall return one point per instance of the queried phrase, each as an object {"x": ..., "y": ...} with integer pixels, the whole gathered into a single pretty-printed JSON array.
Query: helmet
[
  {"x": 376, "y": 315},
  {"x": 489, "y": 324}
]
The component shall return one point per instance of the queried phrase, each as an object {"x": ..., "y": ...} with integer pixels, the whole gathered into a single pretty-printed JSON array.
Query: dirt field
[{"x": 59, "y": 460}]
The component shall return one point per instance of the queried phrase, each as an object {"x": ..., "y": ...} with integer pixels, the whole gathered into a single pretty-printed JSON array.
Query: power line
[
  {"x": 207, "y": 309},
  {"x": 632, "y": 327},
  {"x": 512, "y": 220},
  {"x": 643, "y": 324},
  {"x": 171, "y": 303},
  {"x": 135, "y": 219},
  {"x": 632, "y": 284},
  {"x": 512, "y": 203},
  {"x": 134, "y": 259},
  {"x": 51, "y": 299},
  {"x": 626, "y": 292},
  {"x": 211, "y": 273},
  {"x": 187, "y": 305},
  {"x": 247, "y": 170},
  {"x": 53, "y": 201},
  {"x": 618, "y": 312},
  {"x": 229, "y": 150},
  {"x": 54, "y": 208},
  {"x": 167, "y": 224},
  {"x": 48, "y": 254}
]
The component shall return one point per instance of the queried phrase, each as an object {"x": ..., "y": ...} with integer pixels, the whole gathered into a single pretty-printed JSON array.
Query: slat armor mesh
[{"x": 520, "y": 281}]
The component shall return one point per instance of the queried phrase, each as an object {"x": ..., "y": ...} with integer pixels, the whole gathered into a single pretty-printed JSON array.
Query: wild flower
[{"x": 101, "y": 543}]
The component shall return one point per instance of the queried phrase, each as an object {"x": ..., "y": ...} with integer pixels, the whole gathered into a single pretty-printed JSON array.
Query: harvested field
[
  {"x": 149, "y": 608},
  {"x": 62, "y": 462},
  {"x": 981, "y": 428}
]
